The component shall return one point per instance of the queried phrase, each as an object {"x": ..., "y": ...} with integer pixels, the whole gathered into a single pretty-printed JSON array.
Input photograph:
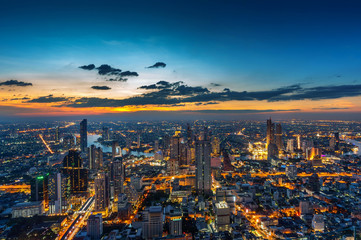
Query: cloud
[
  {"x": 330, "y": 108},
  {"x": 106, "y": 69},
  {"x": 88, "y": 67},
  {"x": 110, "y": 73},
  {"x": 101, "y": 87},
  {"x": 48, "y": 99},
  {"x": 215, "y": 84},
  {"x": 129, "y": 74},
  {"x": 15, "y": 83},
  {"x": 158, "y": 65},
  {"x": 319, "y": 93}
]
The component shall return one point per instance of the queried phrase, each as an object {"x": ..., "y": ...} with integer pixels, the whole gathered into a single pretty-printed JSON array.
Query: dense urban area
[{"x": 180, "y": 180}]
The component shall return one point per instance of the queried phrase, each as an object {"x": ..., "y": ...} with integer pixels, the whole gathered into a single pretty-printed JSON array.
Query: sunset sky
[{"x": 282, "y": 58}]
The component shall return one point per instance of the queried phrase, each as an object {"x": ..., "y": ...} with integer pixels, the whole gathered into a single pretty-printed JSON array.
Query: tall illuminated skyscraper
[
  {"x": 203, "y": 164},
  {"x": 270, "y": 132},
  {"x": 278, "y": 135},
  {"x": 83, "y": 135},
  {"x": 73, "y": 168},
  {"x": 102, "y": 192}
]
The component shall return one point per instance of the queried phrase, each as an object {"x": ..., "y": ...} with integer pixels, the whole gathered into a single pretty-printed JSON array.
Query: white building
[
  {"x": 318, "y": 223},
  {"x": 27, "y": 209}
]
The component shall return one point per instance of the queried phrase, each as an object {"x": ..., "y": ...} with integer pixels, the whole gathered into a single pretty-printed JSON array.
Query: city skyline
[{"x": 203, "y": 60}]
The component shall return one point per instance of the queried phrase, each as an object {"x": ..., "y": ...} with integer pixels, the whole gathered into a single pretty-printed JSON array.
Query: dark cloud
[
  {"x": 319, "y": 93},
  {"x": 48, "y": 99},
  {"x": 331, "y": 108},
  {"x": 101, "y": 87},
  {"x": 88, "y": 67},
  {"x": 110, "y": 73},
  {"x": 24, "y": 98},
  {"x": 215, "y": 84},
  {"x": 15, "y": 83},
  {"x": 106, "y": 69},
  {"x": 158, "y": 65},
  {"x": 129, "y": 74}
]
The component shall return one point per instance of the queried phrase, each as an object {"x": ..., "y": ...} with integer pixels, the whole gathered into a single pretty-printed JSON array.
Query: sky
[{"x": 147, "y": 59}]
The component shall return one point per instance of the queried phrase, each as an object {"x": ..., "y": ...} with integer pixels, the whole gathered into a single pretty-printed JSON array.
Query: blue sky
[{"x": 242, "y": 45}]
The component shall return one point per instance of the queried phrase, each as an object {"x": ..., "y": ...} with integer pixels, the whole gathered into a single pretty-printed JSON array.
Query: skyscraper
[
  {"x": 39, "y": 189},
  {"x": 94, "y": 227},
  {"x": 73, "y": 168},
  {"x": 270, "y": 132},
  {"x": 203, "y": 165},
  {"x": 83, "y": 135},
  {"x": 58, "y": 193},
  {"x": 57, "y": 134},
  {"x": 118, "y": 175},
  {"x": 278, "y": 135},
  {"x": 102, "y": 192}
]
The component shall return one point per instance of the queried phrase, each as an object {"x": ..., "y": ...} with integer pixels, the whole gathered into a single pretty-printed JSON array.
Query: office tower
[
  {"x": 172, "y": 167},
  {"x": 216, "y": 146},
  {"x": 337, "y": 140},
  {"x": 91, "y": 157},
  {"x": 118, "y": 175},
  {"x": 176, "y": 148},
  {"x": 272, "y": 151},
  {"x": 270, "y": 132},
  {"x": 290, "y": 145},
  {"x": 116, "y": 150},
  {"x": 57, "y": 134},
  {"x": 203, "y": 165},
  {"x": 153, "y": 222},
  {"x": 58, "y": 193},
  {"x": 318, "y": 223},
  {"x": 298, "y": 142},
  {"x": 278, "y": 135},
  {"x": 83, "y": 135},
  {"x": 73, "y": 168},
  {"x": 94, "y": 226},
  {"x": 189, "y": 135},
  {"x": 138, "y": 140},
  {"x": 106, "y": 134},
  {"x": 175, "y": 223},
  {"x": 124, "y": 207},
  {"x": 223, "y": 218},
  {"x": 102, "y": 192},
  {"x": 166, "y": 142},
  {"x": 99, "y": 157},
  {"x": 39, "y": 189}
]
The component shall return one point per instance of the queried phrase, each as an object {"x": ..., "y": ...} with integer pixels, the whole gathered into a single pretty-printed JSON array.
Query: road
[{"x": 79, "y": 220}]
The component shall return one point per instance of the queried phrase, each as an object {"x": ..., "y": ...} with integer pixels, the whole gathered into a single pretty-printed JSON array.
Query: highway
[{"x": 79, "y": 219}]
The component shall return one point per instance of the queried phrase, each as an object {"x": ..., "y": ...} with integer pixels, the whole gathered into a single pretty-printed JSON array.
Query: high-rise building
[
  {"x": 73, "y": 169},
  {"x": 223, "y": 218},
  {"x": 39, "y": 189},
  {"x": 318, "y": 223},
  {"x": 176, "y": 148},
  {"x": 278, "y": 135},
  {"x": 57, "y": 134},
  {"x": 138, "y": 141},
  {"x": 175, "y": 223},
  {"x": 299, "y": 146},
  {"x": 116, "y": 150},
  {"x": 270, "y": 132},
  {"x": 203, "y": 165},
  {"x": 106, "y": 134},
  {"x": 272, "y": 151},
  {"x": 58, "y": 193},
  {"x": 102, "y": 192},
  {"x": 83, "y": 135},
  {"x": 91, "y": 157},
  {"x": 94, "y": 226},
  {"x": 216, "y": 146},
  {"x": 153, "y": 222},
  {"x": 189, "y": 135},
  {"x": 290, "y": 145},
  {"x": 118, "y": 175}
]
